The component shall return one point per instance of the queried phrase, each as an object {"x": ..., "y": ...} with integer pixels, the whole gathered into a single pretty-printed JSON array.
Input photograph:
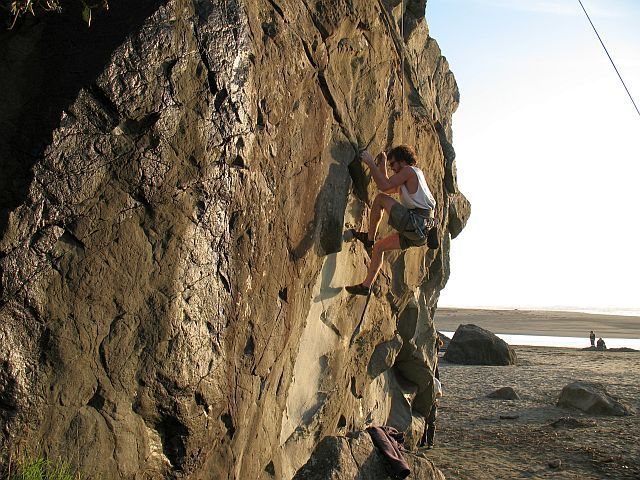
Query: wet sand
[
  {"x": 537, "y": 322},
  {"x": 473, "y": 442}
]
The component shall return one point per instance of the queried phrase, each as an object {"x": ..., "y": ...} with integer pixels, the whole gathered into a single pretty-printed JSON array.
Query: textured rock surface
[
  {"x": 592, "y": 398},
  {"x": 472, "y": 345},
  {"x": 504, "y": 393},
  {"x": 171, "y": 258},
  {"x": 570, "y": 422},
  {"x": 356, "y": 457}
]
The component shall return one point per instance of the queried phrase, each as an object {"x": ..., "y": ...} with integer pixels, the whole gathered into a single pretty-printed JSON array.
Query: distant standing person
[
  {"x": 601, "y": 345},
  {"x": 428, "y": 436},
  {"x": 592, "y": 337}
]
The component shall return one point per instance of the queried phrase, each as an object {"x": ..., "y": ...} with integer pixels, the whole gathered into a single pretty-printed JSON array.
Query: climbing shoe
[
  {"x": 358, "y": 289},
  {"x": 364, "y": 238}
]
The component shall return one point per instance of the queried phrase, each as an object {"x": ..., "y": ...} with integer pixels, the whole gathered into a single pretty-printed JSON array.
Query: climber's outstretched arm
[
  {"x": 384, "y": 183},
  {"x": 381, "y": 162}
]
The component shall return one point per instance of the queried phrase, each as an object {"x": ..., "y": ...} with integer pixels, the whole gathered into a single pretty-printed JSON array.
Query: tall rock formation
[{"x": 178, "y": 178}]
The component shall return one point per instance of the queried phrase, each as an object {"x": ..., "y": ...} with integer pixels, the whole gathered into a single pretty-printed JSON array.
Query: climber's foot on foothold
[
  {"x": 363, "y": 237},
  {"x": 359, "y": 289}
]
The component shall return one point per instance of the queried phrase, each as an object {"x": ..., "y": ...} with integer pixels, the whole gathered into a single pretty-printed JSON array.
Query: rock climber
[{"x": 412, "y": 217}]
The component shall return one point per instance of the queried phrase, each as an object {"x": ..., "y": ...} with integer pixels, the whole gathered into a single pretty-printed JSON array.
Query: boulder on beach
[
  {"x": 472, "y": 345},
  {"x": 356, "y": 457},
  {"x": 504, "y": 393},
  {"x": 616, "y": 349},
  {"x": 592, "y": 398}
]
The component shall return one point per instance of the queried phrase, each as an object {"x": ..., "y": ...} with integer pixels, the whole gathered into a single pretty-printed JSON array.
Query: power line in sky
[{"x": 610, "y": 59}]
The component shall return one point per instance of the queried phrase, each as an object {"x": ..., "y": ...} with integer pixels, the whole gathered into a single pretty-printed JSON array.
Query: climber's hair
[{"x": 403, "y": 153}]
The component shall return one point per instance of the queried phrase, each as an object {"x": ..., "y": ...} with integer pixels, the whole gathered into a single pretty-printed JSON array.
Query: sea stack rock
[
  {"x": 176, "y": 180},
  {"x": 472, "y": 345}
]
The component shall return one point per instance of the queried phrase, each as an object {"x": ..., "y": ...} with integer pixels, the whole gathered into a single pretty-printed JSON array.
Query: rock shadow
[
  {"x": 46, "y": 61},
  {"x": 325, "y": 230},
  {"x": 328, "y": 271},
  {"x": 409, "y": 363}
]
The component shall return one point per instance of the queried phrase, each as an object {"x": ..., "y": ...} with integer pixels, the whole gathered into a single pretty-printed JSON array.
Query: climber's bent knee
[{"x": 385, "y": 201}]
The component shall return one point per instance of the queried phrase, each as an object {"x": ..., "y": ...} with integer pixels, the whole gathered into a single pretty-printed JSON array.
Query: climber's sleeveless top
[{"x": 422, "y": 198}]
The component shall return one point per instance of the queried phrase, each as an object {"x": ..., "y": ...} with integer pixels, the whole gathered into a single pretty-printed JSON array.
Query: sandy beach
[
  {"x": 481, "y": 438},
  {"x": 538, "y": 322}
]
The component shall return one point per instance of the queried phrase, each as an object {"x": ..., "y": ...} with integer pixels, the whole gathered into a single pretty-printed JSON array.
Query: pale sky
[{"x": 548, "y": 152}]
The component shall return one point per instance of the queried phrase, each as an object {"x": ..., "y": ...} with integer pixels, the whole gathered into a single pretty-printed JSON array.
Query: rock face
[
  {"x": 338, "y": 458},
  {"x": 178, "y": 180},
  {"x": 472, "y": 345},
  {"x": 592, "y": 398}
]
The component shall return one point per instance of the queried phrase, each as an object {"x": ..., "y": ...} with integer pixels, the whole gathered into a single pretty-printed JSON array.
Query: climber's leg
[
  {"x": 380, "y": 203},
  {"x": 390, "y": 242},
  {"x": 376, "y": 251},
  {"x": 429, "y": 432},
  {"x": 431, "y": 425}
]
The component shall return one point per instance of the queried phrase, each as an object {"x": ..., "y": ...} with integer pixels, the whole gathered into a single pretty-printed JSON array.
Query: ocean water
[
  {"x": 625, "y": 312},
  {"x": 622, "y": 311},
  {"x": 570, "y": 342}
]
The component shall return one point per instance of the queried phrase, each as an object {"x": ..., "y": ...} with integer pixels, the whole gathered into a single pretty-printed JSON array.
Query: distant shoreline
[
  {"x": 616, "y": 312},
  {"x": 540, "y": 322}
]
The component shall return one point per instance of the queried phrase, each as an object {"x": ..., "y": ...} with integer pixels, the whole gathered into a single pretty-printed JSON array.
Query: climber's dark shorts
[{"x": 402, "y": 220}]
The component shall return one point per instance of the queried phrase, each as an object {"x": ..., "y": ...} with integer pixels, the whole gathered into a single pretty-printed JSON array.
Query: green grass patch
[{"x": 44, "y": 469}]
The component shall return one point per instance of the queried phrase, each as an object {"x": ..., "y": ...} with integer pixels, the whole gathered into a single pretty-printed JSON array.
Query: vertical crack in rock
[
  {"x": 324, "y": 33},
  {"x": 277, "y": 8},
  {"x": 307, "y": 52},
  {"x": 326, "y": 91}
]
